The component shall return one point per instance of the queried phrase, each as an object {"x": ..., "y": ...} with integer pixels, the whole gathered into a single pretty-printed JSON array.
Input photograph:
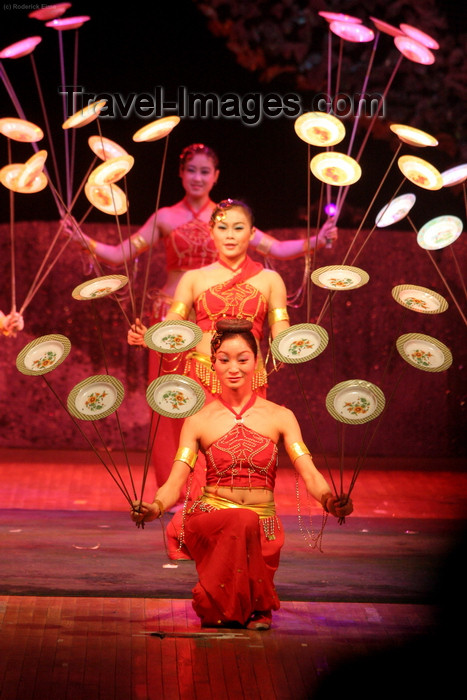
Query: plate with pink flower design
[
  {"x": 355, "y": 401},
  {"x": 339, "y": 277},
  {"x": 95, "y": 397},
  {"x": 99, "y": 287},
  {"x": 175, "y": 396},
  {"x": 299, "y": 343},
  {"x": 424, "y": 352},
  {"x": 173, "y": 336},
  {"x": 43, "y": 354},
  {"x": 420, "y": 299}
]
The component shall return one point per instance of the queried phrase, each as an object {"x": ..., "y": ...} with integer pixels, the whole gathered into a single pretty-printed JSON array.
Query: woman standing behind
[
  {"x": 184, "y": 230},
  {"x": 232, "y": 531}
]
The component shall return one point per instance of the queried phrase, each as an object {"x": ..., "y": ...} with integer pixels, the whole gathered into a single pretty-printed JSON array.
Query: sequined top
[
  {"x": 242, "y": 458},
  {"x": 235, "y": 298},
  {"x": 189, "y": 246}
]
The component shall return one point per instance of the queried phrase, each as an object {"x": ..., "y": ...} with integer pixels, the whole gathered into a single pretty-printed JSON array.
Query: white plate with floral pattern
[
  {"x": 43, "y": 354},
  {"x": 95, "y": 397},
  {"x": 299, "y": 343},
  {"x": 175, "y": 396},
  {"x": 355, "y": 401}
]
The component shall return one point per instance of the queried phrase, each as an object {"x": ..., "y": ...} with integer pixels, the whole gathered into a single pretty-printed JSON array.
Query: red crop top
[
  {"x": 189, "y": 246},
  {"x": 242, "y": 458},
  {"x": 235, "y": 298}
]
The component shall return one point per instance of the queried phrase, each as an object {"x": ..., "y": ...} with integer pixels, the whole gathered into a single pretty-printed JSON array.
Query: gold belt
[{"x": 264, "y": 510}]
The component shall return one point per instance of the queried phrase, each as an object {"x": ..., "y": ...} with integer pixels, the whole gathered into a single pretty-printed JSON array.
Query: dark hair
[
  {"x": 225, "y": 205},
  {"x": 230, "y": 328},
  {"x": 194, "y": 149}
]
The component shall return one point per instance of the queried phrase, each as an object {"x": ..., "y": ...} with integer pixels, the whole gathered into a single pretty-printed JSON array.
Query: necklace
[
  {"x": 239, "y": 416},
  {"x": 196, "y": 214}
]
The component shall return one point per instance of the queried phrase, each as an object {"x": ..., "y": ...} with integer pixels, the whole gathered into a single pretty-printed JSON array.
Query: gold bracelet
[
  {"x": 186, "y": 454},
  {"x": 265, "y": 244},
  {"x": 178, "y": 307},
  {"x": 276, "y": 315},
  {"x": 160, "y": 506},
  {"x": 296, "y": 450},
  {"x": 138, "y": 241}
]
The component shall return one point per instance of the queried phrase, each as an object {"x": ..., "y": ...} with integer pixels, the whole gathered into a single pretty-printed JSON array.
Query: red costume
[
  {"x": 236, "y": 547},
  {"x": 235, "y": 298}
]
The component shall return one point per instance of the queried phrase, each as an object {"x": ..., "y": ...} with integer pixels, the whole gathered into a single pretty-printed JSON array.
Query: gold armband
[
  {"x": 265, "y": 244},
  {"x": 178, "y": 307},
  {"x": 276, "y": 315},
  {"x": 138, "y": 241},
  {"x": 185, "y": 454},
  {"x": 296, "y": 450}
]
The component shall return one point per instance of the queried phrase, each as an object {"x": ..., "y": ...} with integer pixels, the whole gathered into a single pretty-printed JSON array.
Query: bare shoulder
[{"x": 277, "y": 412}]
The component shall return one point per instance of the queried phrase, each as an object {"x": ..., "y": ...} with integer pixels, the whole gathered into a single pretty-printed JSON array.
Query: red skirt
[{"x": 235, "y": 562}]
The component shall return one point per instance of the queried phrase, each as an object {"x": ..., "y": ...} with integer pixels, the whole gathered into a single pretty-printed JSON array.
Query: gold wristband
[
  {"x": 160, "y": 506},
  {"x": 296, "y": 450},
  {"x": 138, "y": 241},
  {"x": 276, "y": 315},
  {"x": 185, "y": 454},
  {"x": 265, "y": 244},
  {"x": 178, "y": 307}
]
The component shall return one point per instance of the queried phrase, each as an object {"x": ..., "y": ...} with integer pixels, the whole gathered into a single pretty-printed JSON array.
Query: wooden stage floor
[{"x": 108, "y": 648}]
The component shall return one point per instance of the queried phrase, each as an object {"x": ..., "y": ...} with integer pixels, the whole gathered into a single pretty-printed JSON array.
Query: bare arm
[
  {"x": 169, "y": 493},
  {"x": 183, "y": 301},
  {"x": 277, "y": 304},
  {"x": 315, "y": 483},
  {"x": 267, "y": 245},
  {"x": 129, "y": 248}
]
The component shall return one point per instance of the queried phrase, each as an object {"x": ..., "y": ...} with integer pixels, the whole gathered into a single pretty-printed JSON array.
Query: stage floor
[{"x": 143, "y": 647}]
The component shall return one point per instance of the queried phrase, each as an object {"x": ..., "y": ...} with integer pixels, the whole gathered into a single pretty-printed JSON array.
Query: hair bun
[{"x": 233, "y": 324}]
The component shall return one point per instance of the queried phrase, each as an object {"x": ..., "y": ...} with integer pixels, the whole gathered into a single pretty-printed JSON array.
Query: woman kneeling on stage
[{"x": 232, "y": 531}]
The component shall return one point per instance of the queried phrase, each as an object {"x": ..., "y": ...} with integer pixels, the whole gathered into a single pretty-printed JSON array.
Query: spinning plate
[
  {"x": 43, "y": 354},
  {"x": 319, "y": 129},
  {"x": 95, "y": 397},
  {"x": 439, "y": 232},
  {"x": 395, "y": 210},
  {"x": 299, "y": 343},
  {"x": 355, "y": 401},
  {"x": 104, "y": 148},
  {"x": 175, "y": 396},
  {"x": 412, "y": 136},
  {"x": 111, "y": 170},
  {"x": 339, "y": 277},
  {"x": 20, "y": 130},
  {"x": 99, "y": 287},
  {"x": 420, "y": 172},
  {"x": 21, "y": 48},
  {"x": 173, "y": 336},
  {"x": 413, "y": 50},
  {"x": 419, "y": 299},
  {"x": 157, "y": 129},
  {"x": 85, "y": 115},
  {"x": 335, "y": 168},
  {"x": 109, "y": 199},
  {"x": 424, "y": 352}
]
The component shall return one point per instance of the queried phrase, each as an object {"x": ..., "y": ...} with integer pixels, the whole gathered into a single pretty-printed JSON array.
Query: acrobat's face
[
  {"x": 199, "y": 175},
  {"x": 232, "y": 232},
  {"x": 235, "y": 362}
]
